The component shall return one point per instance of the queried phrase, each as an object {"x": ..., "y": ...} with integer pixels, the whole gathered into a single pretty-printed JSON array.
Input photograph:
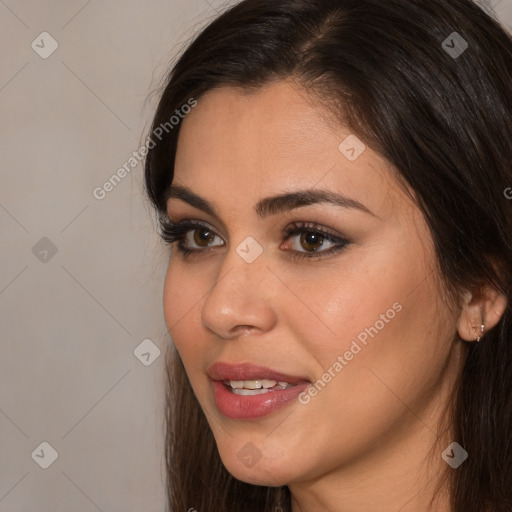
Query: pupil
[
  {"x": 202, "y": 235},
  {"x": 313, "y": 240}
]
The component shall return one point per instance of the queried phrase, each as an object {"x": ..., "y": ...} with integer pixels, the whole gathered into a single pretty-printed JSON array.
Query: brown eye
[
  {"x": 203, "y": 237},
  {"x": 311, "y": 241}
]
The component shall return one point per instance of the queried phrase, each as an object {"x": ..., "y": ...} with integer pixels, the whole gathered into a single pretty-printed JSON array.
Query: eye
[
  {"x": 311, "y": 241},
  {"x": 308, "y": 240},
  {"x": 192, "y": 236},
  {"x": 199, "y": 238}
]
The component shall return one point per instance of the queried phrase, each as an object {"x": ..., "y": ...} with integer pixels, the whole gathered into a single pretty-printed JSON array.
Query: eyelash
[{"x": 175, "y": 232}]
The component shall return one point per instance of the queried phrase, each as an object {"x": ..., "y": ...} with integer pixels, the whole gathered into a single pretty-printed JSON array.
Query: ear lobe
[{"x": 484, "y": 306}]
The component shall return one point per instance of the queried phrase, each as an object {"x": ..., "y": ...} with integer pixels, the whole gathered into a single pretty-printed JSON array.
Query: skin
[{"x": 368, "y": 439}]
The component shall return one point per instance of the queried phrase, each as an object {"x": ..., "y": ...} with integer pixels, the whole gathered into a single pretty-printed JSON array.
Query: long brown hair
[{"x": 444, "y": 122}]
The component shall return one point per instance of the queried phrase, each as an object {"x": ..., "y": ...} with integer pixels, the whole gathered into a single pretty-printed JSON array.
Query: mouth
[
  {"x": 246, "y": 391},
  {"x": 255, "y": 387}
]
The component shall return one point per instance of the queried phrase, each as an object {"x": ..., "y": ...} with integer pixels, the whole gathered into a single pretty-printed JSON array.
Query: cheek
[
  {"x": 389, "y": 364},
  {"x": 181, "y": 300},
  {"x": 380, "y": 315},
  {"x": 361, "y": 299},
  {"x": 389, "y": 342}
]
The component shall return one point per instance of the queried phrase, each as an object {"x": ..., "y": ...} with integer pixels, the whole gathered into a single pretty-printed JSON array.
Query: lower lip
[{"x": 248, "y": 407}]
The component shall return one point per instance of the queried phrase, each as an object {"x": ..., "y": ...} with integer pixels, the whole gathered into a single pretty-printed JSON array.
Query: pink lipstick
[{"x": 246, "y": 391}]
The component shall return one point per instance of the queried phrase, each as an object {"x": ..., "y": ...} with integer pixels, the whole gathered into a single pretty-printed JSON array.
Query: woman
[{"x": 334, "y": 189}]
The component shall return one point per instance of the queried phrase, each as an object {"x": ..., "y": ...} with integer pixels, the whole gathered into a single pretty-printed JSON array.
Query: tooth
[
  {"x": 256, "y": 384},
  {"x": 250, "y": 391},
  {"x": 252, "y": 384}
]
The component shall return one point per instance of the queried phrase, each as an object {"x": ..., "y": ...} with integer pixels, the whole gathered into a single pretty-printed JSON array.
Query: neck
[{"x": 402, "y": 480}]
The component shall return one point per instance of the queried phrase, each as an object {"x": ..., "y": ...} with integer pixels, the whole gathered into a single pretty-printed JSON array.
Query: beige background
[{"x": 71, "y": 321}]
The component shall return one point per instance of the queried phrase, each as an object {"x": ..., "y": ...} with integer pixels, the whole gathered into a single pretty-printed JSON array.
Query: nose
[{"x": 242, "y": 299}]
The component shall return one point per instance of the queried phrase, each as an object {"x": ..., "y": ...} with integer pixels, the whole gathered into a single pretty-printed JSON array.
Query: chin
[
  {"x": 251, "y": 466},
  {"x": 266, "y": 476}
]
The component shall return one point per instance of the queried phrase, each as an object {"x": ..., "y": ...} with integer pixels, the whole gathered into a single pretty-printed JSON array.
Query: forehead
[{"x": 274, "y": 140}]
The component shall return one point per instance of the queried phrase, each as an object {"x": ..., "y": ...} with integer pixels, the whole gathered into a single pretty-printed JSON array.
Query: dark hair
[{"x": 444, "y": 122}]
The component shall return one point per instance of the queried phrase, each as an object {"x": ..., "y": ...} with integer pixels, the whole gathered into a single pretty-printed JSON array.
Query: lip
[
  {"x": 247, "y": 371},
  {"x": 247, "y": 407}
]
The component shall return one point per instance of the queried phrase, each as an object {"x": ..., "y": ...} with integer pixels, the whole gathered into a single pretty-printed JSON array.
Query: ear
[{"x": 485, "y": 306}]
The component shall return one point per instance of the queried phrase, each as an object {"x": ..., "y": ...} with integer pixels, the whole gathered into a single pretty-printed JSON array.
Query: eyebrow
[{"x": 272, "y": 205}]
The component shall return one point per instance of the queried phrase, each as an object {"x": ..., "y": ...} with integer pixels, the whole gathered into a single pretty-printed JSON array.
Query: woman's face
[{"x": 352, "y": 318}]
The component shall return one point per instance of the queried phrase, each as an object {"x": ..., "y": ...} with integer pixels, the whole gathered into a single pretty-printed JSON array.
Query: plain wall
[{"x": 81, "y": 277}]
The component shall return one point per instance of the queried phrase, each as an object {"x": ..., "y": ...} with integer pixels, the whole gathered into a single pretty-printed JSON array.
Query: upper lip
[{"x": 248, "y": 371}]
